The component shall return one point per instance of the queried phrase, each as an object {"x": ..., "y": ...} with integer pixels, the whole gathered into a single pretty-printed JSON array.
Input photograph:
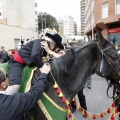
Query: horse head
[{"x": 109, "y": 64}]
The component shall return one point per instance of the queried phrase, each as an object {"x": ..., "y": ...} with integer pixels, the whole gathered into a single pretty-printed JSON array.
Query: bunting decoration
[
  {"x": 94, "y": 116},
  {"x": 112, "y": 110}
]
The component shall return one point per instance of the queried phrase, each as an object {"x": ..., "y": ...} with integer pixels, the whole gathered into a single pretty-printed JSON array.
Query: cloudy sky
[{"x": 60, "y": 8}]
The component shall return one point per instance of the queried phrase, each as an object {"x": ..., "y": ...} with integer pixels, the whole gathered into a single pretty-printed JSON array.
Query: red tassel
[
  {"x": 113, "y": 104},
  {"x": 13, "y": 52},
  {"x": 67, "y": 107},
  {"x": 86, "y": 114},
  {"x": 63, "y": 100},
  {"x": 75, "y": 103},
  {"x": 58, "y": 90},
  {"x": 112, "y": 117},
  {"x": 101, "y": 115},
  {"x": 70, "y": 115},
  {"x": 94, "y": 117},
  {"x": 116, "y": 110},
  {"x": 80, "y": 109},
  {"x": 108, "y": 111}
]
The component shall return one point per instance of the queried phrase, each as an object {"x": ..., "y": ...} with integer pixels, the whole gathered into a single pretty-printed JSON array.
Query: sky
[{"x": 61, "y": 8}]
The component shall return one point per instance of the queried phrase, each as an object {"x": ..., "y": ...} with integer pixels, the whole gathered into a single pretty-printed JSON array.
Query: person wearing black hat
[
  {"x": 32, "y": 54},
  {"x": 55, "y": 45}
]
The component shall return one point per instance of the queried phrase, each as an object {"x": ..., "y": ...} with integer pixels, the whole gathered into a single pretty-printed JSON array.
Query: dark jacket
[
  {"x": 32, "y": 53},
  {"x": 12, "y": 107},
  {"x": 4, "y": 56}
]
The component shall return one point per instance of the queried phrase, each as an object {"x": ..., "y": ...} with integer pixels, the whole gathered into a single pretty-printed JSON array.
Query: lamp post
[
  {"x": 92, "y": 21},
  {"x": 42, "y": 19},
  {"x": 45, "y": 19}
]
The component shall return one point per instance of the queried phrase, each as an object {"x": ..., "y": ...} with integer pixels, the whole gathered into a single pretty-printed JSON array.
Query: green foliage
[{"x": 46, "y": 20}]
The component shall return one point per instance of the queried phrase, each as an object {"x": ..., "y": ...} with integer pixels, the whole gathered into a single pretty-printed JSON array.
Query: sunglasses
[{"x": 6, "y": 76}]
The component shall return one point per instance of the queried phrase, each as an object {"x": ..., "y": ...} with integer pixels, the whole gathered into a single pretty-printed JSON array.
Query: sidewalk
[{"x": 96, "y": 98}]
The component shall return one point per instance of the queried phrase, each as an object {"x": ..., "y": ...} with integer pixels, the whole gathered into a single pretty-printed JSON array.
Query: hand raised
[{"x": 45, "y": 68}]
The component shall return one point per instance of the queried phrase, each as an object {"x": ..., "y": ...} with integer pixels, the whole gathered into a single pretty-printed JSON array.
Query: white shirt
[{"x": 3, "y": 92}]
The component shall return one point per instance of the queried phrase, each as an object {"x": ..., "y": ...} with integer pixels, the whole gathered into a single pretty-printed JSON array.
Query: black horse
[{"x": 72, "y": 70}]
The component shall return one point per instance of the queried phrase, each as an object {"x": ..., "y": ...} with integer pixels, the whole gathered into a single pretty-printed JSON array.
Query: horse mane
[{"x": 62, "y": 65}]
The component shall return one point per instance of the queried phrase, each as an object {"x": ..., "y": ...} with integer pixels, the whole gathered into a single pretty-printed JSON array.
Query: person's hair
[
  {"x": 2, "y": 47},
  {"x": 2, "y": 76}
]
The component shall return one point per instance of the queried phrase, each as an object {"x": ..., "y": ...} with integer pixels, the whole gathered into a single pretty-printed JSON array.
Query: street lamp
[
  {"x": 92, "y": 21},
  {"x": 45, "y": 19},
  {"x": 42, "y": 19}
]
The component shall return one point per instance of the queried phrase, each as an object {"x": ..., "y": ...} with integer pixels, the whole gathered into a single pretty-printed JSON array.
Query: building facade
[
  {"x": 61, "y": 27},
  {"x": 75, "y": 28},
  {"x": 18, "y": 20},
  {"x": 68, "y": 26},
  {"x": 89, "y": 18},
  {"x": 104, "y": 14},
  {"x": 82, "y": 17}
]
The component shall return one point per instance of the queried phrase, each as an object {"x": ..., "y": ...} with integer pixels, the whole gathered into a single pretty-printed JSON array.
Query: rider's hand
[
  {"x": 45, "y": 68},
  {"x": 45, "y": 46}
]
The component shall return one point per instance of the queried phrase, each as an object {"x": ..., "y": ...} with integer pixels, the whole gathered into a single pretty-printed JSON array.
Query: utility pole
[
  {"x": 42, "y": 20},
  {"x": 92, "y": 21},
  {"x": 45, "y": 19}
]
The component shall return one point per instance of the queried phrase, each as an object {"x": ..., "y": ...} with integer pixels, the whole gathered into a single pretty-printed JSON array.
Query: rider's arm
[
  {"x": 26, "y": 101},
  {"x": 37, "y": 53}
]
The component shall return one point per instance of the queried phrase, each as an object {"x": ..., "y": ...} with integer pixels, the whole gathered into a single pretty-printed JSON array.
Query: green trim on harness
[
  {"x": 54, "y": 111},
  {"x": 4, "y": 66},
  {"x": 51, "y": 110},
  {"x": 27, "y": 75}
]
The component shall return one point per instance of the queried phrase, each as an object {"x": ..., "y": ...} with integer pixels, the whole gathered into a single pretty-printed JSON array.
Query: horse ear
[{"x": 101, "y": 40}]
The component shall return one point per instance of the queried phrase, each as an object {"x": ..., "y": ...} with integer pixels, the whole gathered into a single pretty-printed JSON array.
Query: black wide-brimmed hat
[{"x": 56, "y": 38}]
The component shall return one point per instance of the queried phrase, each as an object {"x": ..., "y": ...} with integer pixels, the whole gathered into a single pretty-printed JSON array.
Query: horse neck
[
  {"x": 51, "y": 92},
  {"x": 72, "y": 70}
]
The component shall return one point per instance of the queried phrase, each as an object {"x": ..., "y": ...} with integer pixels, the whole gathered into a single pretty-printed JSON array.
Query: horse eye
[{"x": 114, "y": 58}]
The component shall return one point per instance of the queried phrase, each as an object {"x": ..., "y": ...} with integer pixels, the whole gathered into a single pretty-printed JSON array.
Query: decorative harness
[
  {"x": 80, "y": 109},
  {"x": 110, "y": 110}
]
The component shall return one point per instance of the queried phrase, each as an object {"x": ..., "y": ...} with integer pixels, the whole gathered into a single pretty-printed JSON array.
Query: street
[{"x": 96, "y": 98}]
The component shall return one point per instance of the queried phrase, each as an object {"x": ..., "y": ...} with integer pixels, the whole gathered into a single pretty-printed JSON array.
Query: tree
[{"x": 46, "y": 20}]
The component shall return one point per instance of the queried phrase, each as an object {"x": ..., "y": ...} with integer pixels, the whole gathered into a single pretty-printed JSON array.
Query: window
[
  {"x": 117, "y": 6},
  {"x": 36, "y": 12},
  {"x": 35, "y": 4},
  {"x": 105, "y": 10}
]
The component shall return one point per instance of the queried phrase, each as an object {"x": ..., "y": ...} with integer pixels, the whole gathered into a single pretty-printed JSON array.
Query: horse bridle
[
  {"x": 105, "y": 56},
  {"x": 116, "y": 88}
]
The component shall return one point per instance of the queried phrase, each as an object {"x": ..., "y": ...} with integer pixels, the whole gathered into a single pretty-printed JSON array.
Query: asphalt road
[{"x": 96, "y": 98}]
